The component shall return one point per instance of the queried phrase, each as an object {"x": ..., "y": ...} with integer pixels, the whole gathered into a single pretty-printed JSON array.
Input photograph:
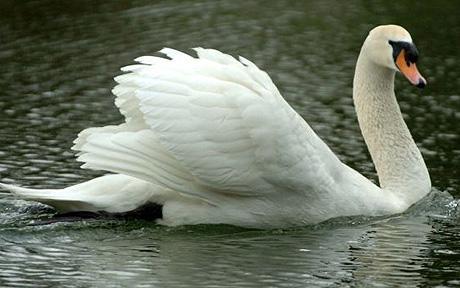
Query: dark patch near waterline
[{"x": 149, "y": 211}]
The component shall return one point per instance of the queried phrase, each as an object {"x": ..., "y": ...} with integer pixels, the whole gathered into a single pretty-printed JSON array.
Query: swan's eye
[
  {"x": 405, "y": 55},
  {"x": 410, "y": 51}
]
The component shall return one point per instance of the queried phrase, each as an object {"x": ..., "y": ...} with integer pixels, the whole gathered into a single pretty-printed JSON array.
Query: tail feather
[
  {"x": 25, "y": 193},
  {"x": 110, "y": 193},
  {"x": 53, "y": 197}
]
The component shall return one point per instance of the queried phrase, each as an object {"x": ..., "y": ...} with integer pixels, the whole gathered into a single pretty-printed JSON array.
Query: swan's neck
[{"x": 399, "y": 163}]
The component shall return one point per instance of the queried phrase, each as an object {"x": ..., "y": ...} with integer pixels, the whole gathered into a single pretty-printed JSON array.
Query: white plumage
[{"x": 212, "y": 140}]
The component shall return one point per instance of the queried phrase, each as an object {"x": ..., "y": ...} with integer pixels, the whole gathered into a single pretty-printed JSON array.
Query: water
[{"x": 57, "y": 63}]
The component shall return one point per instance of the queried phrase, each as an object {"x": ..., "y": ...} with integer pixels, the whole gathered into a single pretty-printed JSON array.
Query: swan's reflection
[
  {"x": 391, "y": 251},
  {"x": 395, "y": 251}
]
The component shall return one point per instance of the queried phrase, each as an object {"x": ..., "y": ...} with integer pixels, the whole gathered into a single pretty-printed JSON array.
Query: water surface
[{"x": 57, "y": 63}]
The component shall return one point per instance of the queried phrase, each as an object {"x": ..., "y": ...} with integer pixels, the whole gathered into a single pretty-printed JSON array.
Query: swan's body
[{"x": 212, "y": 140}]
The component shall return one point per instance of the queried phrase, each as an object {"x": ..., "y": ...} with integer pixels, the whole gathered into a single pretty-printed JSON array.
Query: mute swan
[{"x": 211, "y": 140}]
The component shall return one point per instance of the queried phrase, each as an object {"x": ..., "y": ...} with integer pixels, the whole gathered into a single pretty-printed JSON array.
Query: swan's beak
[{"x": 410, "y": 70}]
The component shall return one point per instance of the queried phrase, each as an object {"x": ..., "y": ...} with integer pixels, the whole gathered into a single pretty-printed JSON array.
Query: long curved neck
[{"x": 398, "y": 161}]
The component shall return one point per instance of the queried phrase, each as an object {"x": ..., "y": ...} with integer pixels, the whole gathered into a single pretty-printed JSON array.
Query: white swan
[{"x": 211, "y": 140}]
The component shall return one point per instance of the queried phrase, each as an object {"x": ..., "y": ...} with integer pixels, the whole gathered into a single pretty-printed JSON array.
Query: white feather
[
  {"x": 213, "y": 141},
  {"x": 110, "y": 193}
]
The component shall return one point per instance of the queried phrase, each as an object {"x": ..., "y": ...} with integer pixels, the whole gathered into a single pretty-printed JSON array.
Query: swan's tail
[{"x": 110, "y": 193}]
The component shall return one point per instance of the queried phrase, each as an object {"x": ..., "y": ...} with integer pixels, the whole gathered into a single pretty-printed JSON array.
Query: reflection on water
[
  {"x": 58, "y": 61},
  {"x": 409, "y": 249}
]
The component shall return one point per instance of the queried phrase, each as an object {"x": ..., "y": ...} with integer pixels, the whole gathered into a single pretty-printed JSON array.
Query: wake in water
[{"x": 437, "y": 204}]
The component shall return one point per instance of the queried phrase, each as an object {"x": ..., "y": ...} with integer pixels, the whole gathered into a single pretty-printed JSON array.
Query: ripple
[{"x": 58, "y": 61}]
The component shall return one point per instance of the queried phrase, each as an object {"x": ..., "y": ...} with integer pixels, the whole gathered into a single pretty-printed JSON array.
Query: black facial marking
[{"x": 411, "y": 54}]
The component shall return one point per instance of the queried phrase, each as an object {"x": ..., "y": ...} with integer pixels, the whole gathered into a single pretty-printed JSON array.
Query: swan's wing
[{"x": 225, "y": 122}]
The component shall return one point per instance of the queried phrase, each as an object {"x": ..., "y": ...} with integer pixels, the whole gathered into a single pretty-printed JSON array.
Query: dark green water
[{"x": 57, "y": 60}]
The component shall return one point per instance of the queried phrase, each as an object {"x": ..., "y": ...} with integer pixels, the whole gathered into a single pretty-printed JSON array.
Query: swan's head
[{"x": 391, "y": 46}]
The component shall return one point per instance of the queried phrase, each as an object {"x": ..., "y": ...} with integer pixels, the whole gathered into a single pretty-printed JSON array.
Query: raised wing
[{"x": 220, "y": 122}]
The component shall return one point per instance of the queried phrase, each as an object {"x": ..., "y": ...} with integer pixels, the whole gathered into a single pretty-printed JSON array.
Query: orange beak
[{"x": 409, "y": 70}]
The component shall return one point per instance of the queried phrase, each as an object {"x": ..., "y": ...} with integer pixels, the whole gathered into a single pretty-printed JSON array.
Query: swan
[{"x": 210, "y": 140}]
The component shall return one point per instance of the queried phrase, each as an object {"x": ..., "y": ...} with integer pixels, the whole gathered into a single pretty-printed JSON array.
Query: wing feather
[{"x": 205, "y": 126}]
